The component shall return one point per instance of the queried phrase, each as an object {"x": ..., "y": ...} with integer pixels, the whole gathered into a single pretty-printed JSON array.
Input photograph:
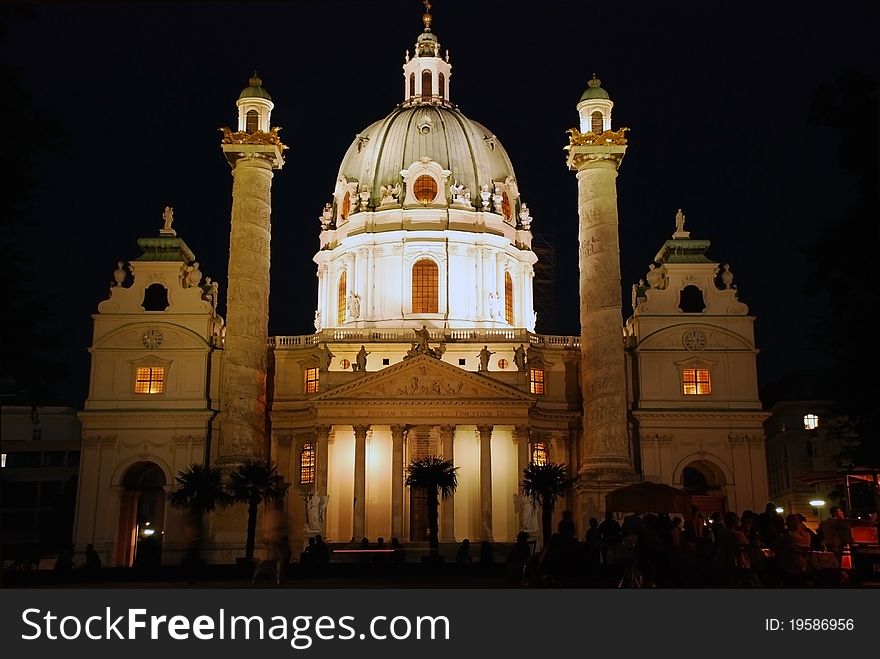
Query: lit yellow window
[
  {"x": 536, "y": 381},
  {"x": 307, "y": 464},
  {"x": 505, "y": 206},
  {"x": 539, "y": 454},
  {"x": 311, "y": 380},
  {"x": 508, "y": 298},
  {"x": 596, "y": 122},
  {"x": 811, "y": 422},
  {"x": 346, "y": 206},
  {"x": 425, "y": 189},
  {"x": 424, "y": 286},
  {"x": 149, "y": 380},
  {"x": 696, "y": 381},
  {"x": 340, "y": 301}
]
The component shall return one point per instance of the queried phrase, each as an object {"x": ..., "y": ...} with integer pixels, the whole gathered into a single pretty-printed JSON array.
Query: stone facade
[{"x": 424, "y": 344}]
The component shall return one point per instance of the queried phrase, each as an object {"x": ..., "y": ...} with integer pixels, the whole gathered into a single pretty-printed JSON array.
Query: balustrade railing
[{"x": 408, "y": 336}]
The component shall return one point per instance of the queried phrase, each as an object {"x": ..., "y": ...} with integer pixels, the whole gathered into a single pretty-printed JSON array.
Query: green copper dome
[
  {"x": 594, "y": 90},
  {"x": 254, "y": 89}
]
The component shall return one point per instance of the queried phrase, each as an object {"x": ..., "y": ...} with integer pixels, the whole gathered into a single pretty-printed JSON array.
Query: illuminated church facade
[{"x": 424, "y": 345}]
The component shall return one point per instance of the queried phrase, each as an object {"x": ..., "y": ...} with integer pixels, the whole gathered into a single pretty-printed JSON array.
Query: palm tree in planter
[
  {"x": 544, "y": 484},
  {"x": 439, "y": 478},
  {"x": 200, "y": 490},
  {"x": 254, "y": 482}
]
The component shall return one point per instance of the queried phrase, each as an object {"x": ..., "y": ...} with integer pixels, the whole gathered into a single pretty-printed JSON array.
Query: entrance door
[
  {"x": 422, "y": 442},
  {"x": 418, "y": 516}
]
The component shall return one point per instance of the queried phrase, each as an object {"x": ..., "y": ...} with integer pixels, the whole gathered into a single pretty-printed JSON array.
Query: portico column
[
  {"x": 485, "y": 482},
  {"x": 447, "y": 506},
  {"x": 521, "y": 436},
  {"x": 397, "y": 432},
  {"x": 481, "y": 285},
  {"x": 322, "y": 436},
  {"x": 360, "y": 478}
]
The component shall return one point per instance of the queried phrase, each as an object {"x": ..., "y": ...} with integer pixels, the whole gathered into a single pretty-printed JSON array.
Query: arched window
[
  {"x": 252, "y": 121},
  {"x": 307, "y": 464},
  {"x": 596, "y": 122},
  {"x": 441, "y": 84},
  {"x": 424, "y": 286},
  {"x": 340, "y": 300},
  {"x": 690, "y": 300},
  {"x": 694, "y": 481},
  {"x": 425, "y": 189},
  {"x": 155, "y": 298},
  {"x": 508, "y": 298},
  {"x": 346, "y": 205},
  {"x": 505, "y": 206},
  {"x": 426, "y": 85},
  {"x": 539, "y": 454},
  {"x": 412, "y": 85}
]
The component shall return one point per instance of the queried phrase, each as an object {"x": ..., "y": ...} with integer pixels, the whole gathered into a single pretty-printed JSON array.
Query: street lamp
[{"x": 818, "y": 504}]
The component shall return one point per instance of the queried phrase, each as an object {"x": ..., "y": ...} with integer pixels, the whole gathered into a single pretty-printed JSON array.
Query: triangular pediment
[{"x": 424, "y": 378}]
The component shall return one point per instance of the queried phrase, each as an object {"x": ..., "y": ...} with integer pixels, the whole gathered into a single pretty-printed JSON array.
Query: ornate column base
[{"x": 591, "y": 488}]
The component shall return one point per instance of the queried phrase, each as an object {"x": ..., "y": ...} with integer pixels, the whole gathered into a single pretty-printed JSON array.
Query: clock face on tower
[
  {"x": 694, "y": 340},
  {"x": 152, "y": 338}
]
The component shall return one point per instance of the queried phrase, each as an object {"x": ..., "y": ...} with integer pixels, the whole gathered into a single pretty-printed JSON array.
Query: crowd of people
[{"x": 764, "y": 549}]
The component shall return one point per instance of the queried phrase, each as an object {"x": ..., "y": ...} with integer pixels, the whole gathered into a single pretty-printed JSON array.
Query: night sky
[{"x": 717, "y": 96}]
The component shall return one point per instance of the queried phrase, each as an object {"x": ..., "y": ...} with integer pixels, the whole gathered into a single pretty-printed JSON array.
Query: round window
[
  {"x": 345, "y": 363},
  {"x": 503, "y": 363},
  {"x": 425, "y": 189}
]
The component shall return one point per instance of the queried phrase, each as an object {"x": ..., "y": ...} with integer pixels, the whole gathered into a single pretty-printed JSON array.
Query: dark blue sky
[{"x": 717, "y": 97}]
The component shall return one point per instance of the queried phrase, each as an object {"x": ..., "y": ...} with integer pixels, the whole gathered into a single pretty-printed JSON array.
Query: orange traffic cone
[{"x": 846, "y": 559}]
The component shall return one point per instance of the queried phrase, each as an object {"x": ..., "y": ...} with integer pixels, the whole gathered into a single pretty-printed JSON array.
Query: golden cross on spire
[{"x": 426, "y": 17}]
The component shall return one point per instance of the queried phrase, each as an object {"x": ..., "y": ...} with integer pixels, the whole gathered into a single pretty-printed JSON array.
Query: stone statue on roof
[{"x": 167, "y": 219}]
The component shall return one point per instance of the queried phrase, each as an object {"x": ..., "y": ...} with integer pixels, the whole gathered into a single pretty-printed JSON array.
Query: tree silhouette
[
  {"x": 439, "y": 478},
  {"x": 254, "y": 482},
  {"x": 544, "y": 484},
  {"x": 200, "y": 490},
  {"x": 841, "y": 258}
]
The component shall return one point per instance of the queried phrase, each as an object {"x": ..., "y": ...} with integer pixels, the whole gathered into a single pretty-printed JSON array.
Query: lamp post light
[{"x": 818, "y": 504}]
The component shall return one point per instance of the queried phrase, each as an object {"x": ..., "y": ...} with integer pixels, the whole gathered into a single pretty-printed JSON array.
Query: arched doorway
[
  {"x": 704, "y": 481},
  {"x": 141, "y": 516}
]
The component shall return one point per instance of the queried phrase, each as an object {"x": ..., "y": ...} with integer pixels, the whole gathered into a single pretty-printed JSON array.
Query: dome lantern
[
  {"x": 426, "y": 75},
  {"x": 254, "y": 107},
  {"x": 594, "y": 108}
]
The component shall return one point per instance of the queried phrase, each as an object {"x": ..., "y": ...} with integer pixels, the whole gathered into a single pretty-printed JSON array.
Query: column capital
[
  {"x": 360, "y": 431},
  {"x": 398, "y": 429},
  {"x": 485, "y": 429},
  {"x": 323, "y": 431},
  {"x": 521, "y": 433},
  {"x": 447, "y": 430}
]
